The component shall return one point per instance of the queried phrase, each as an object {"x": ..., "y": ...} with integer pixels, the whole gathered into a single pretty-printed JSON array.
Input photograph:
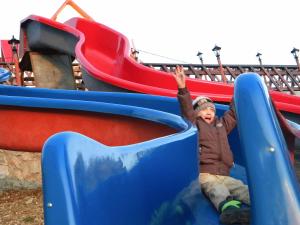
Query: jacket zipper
[{"x": 219, "y": 146}]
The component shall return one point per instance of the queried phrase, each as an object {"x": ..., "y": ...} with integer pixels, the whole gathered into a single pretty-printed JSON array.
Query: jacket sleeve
[
  {"x": 186, "y": 106},
  {"x": 229, "y": 118}
]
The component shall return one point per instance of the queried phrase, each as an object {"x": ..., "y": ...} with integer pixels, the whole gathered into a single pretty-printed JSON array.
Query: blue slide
[
  {"x": 274, "y": 189},
  {"x": 155, "y": 182}
]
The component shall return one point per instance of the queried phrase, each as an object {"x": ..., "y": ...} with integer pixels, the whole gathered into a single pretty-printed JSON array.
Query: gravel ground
[{"x": 21, "y": 207}]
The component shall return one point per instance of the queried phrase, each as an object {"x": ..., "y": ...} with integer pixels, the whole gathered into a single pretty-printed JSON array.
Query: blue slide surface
[{"x": 273, "y": 185}]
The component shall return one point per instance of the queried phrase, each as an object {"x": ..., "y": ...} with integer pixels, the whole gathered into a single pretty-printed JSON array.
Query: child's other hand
[{"x": 179, "y": 76}]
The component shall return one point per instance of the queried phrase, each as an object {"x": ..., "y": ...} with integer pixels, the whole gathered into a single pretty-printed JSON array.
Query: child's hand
[{"x": 179, "y": 76}]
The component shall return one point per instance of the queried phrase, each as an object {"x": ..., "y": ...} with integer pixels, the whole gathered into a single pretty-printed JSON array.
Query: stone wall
[{"x": 19, "y": 170}]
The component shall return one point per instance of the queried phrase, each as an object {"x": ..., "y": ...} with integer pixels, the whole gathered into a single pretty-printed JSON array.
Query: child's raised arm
[
  {"x": 179, "y": 76},
  {"x": 183, "y": 95}
]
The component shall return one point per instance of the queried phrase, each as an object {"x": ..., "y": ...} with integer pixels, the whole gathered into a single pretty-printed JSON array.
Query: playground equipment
[
  {"x": 106, "y": 64},
  {"x": 144, "y": 175},
  {"x": 126, "y": 158}
]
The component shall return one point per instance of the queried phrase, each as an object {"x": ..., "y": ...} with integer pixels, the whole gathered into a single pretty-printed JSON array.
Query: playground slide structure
[
  {"x": 44, "y": 112},
  {"x": 114, "y": 139},
  {"x": 49, "y": 109},
  {"x": 129, "y": 159},
  {"x": 141, "y": 167},
  {"x": 104, "y": 58},
  {"x": 96, "y": 184}
]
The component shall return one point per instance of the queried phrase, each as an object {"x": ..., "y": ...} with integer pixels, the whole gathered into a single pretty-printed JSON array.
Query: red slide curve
[{"x": 104, "y": 55}]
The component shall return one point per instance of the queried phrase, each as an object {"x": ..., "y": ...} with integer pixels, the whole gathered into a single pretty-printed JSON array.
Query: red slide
[{"x": 104, "y": 57}]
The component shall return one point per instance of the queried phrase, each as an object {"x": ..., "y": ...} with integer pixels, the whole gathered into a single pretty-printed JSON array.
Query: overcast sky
[{"x": 179, "y": 29}]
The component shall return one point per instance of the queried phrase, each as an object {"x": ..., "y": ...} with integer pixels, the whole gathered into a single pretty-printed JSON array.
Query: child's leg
[
  {"x": 213, "y": 188},
  {"x": 237, "y": 189}
]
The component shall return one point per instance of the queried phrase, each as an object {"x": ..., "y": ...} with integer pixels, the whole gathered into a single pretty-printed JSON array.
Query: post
[
  {"x": 295, "y": 54},
  {"x": 199, "y": 54},
  {"x": 13, "y": 43},
  {"x": 258, "y": 55},
  {"x": 259, "y": 58},
  {"x": 216, "y": 50}
]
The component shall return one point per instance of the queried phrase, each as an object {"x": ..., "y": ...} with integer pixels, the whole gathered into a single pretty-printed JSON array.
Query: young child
[{"x": 216, "y": 159}]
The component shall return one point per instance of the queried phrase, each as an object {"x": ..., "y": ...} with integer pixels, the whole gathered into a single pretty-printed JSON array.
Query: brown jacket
[{"x": 214, "y": 151}]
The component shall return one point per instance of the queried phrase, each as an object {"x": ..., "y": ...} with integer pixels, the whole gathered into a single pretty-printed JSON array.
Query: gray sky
[{"x": 179, "y": 29}]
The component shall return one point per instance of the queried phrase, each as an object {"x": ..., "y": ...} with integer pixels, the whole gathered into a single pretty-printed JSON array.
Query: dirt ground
[{"x": 21, "y": 207}]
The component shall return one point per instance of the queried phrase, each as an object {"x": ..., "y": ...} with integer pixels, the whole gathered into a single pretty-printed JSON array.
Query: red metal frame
[
  {"x": 6, "y": 52},
  {"x": 9, "y": 56}
]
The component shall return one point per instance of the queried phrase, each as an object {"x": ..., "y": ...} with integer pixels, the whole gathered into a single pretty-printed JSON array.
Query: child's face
[{"x": 207, "y": 114}]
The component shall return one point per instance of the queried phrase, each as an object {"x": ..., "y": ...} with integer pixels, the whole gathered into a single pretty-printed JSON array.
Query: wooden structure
[{"x": 282, "y": 78}]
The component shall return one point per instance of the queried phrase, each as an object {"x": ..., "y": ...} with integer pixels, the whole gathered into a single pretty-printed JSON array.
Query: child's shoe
[{"x": 232, "y": 213}]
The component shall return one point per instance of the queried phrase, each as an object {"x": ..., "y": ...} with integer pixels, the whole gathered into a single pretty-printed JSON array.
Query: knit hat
[{"x": 203, "y": 102}]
